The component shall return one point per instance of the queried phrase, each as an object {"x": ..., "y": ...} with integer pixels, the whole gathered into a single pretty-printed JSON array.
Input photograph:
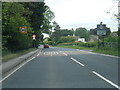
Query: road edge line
[{"x": 16, "y": 70}]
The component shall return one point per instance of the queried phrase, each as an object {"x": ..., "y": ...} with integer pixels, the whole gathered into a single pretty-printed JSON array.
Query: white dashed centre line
[
  {"x": 77, "y": 62},
  {"x": 108, "y": 81}
]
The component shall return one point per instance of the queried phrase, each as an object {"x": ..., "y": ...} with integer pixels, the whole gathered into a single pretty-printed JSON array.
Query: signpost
[
  {"x": 34, "y": 40},
  {"x": 101, "y": 32}
]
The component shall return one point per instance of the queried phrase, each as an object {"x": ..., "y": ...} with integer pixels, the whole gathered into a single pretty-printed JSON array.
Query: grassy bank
[
  {"x": 102, "y": 50},
  {"x": 17, "y": 54}
]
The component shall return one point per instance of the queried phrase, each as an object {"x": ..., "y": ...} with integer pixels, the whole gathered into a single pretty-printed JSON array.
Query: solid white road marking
[
  {"x": 51, "y": 54},
  {"x": 38, "y": 54},
  {"x": 108, "y": 81},
  {"x": 65, "y": 54},
  {"x": 16, "y": 69},
  {"x": 77, "y": 62}
]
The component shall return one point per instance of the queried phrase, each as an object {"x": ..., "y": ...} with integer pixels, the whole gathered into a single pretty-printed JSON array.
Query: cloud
[{"x": 73, "y": 13}]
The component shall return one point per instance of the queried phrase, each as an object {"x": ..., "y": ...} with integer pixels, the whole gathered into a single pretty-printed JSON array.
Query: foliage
[
  {"x": 55, "y": 36},
  {"x": 67, "y": 39},
  {"x": 81, "y": 44},
  {"x": 111, "y": 39},
  {"x": 66, "y": 32},
  {"x": 48, "y": 17},
  {"x": 12, "y": 20},
  {"x": 14, "y": 15},
  {"x": 82, "y": 33}
]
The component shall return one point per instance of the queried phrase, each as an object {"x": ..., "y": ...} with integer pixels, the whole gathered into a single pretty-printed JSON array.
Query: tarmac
[{"x": 10, "y": 65}]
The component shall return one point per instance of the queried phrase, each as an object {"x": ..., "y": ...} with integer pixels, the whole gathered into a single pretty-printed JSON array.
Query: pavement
[{"x": 10, "y": 65}]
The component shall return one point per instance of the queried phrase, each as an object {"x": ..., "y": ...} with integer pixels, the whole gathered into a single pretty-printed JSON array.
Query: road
[{"x": 65, "y": 68}]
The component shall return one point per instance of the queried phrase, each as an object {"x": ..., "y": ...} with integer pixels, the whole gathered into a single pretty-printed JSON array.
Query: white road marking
[
  {"x": 44, "y": 53},
  {"x": 57, "y": 52},
  {"x": 38, "y": 54},
  {"x": 65, "y": 54},
  {"x": 16, "y": 70},
  {"x": 51, "y": 54},
  {"x": 77, "y": 62},
  {"x": 108, "y": 81}
]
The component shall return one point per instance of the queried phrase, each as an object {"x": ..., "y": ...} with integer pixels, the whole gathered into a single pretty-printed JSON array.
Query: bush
[
  {"x": 67, "y": 39},
  {"x": 81, "y": 44}
]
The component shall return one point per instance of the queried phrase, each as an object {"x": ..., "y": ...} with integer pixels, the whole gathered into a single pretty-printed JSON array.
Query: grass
[
  {"x": 75, "y": 47},
  {"x": 109, "y": 51},
  {"x": 9, "y": 56}
]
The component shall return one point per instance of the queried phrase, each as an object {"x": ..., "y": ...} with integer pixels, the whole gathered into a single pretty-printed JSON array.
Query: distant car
[{"x": 46, "y": 46}]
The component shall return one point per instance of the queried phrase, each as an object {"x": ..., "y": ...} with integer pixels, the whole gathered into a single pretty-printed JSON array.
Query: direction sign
[{"x": 101, "y": 32}]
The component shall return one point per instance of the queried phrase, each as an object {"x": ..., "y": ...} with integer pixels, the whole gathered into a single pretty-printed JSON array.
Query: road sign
[
  {"x": 101, "y": 29},
  {"x": 23, "y": 30},
  {"x": 101, "y": 32},
  {"x": 34, "y": 36}
]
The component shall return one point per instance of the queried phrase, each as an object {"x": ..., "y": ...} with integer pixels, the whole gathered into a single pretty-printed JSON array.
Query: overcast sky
[{"x": 84, "y": 13}]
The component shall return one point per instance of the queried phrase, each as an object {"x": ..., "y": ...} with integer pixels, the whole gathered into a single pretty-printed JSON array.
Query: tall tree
[
  {"x": 66, "y": 32},
  {"x": 56, "y": 34},
  {"x": 36, "y": 18},
  {"x": 48, "y": 17},
  {"x": 13, "y": 18}
]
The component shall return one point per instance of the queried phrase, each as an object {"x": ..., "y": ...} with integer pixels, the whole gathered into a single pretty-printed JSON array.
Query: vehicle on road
[{"x": 46, "y": 46}]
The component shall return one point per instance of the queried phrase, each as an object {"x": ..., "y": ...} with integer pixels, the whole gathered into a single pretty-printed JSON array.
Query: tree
[
  {"x": 48, "y": 17},
  {"x": 82, "y": 33},
  {"x": 66, "y": 32},
  {"x": 36, "y": 18},
  {"x": 12, "y": 19},
  {"x": 56, "y": 34}
]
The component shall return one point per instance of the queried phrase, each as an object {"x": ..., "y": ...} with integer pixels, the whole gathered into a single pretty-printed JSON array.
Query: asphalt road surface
[{"x": 65, "y": 68}]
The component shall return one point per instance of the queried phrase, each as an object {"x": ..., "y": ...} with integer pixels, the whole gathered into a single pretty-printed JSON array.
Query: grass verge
[
  {"x": 9, "y": 56},
  {"x": 109, "y": 51}
]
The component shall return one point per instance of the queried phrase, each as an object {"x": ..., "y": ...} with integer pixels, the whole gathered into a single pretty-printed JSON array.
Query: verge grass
[
  {"x": 102, "y": 50},
  {"x": 9, "y": 56}
]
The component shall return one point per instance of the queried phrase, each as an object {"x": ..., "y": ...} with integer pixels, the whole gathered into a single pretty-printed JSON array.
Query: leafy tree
[
  {"x": 36, "y": 18},
  {"x": 66, "y": 32},
  {"x": 56, "y": 34},
  {"x": 82, "y": 33},
  {"x": 12, "y": 20},
  {"x": 47, "y": 22}
]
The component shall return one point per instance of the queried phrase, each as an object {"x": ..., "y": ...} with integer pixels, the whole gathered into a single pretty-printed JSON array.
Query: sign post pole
[{"x": 101, "y": 32}]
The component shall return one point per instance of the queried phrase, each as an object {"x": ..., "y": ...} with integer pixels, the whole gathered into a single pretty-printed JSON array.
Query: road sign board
[
  {"x": 101, "y": 32},
  {"x": 23, "y": 30},
  {"x": 34, "y": 36}
]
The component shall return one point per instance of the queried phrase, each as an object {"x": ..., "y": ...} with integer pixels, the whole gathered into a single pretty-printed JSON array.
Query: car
[{"x": 46, "y": 46}]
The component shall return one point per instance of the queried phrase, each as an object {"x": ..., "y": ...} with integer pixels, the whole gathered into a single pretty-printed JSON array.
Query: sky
[{"x": 84, "y": 13}]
